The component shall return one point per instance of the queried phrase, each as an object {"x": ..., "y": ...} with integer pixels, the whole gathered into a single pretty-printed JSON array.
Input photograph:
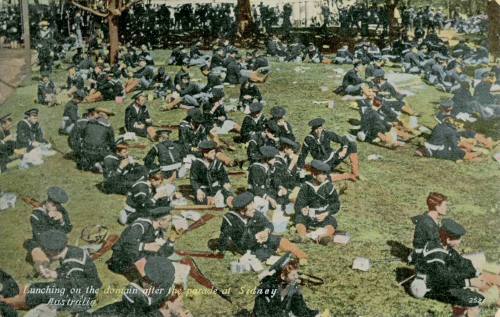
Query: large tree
[{"x": 111, "y": 10}]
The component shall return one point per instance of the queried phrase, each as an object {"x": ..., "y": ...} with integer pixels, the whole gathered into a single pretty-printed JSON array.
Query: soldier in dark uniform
[
  {"x": 7, "y": 142},
  {"x": 289, "y": 158},
  {"x": 76, "y": 281},
  {"x": 9, "y": 288},
  {"x": 285, "y": 128},
  {"x": 120, "y": 171},
  {"x": 253, "y": 123},
  {"x": 246, "y": 229},
  {"x": 74, "y": 81},
  {"x": 46, "y": 93},
  {"x": 137, "y": 118},
  {"x": 427, "y": 225},
  {"x": 444, "y": 275},
  {"x": 351, "y": 83},
  {"x": 143, "y": 196},
  {"x": 163, "y": 83},
  {"x": 318, "y": 144},
  {"x": 169, "y": 155},
  {"x": 490, "y": 104},
  {"x": 209, "y": 179},
  {"x": 249, "y": 93},
  {"x": 216, "y": 118},
  {"x": 260, "y": 177},
  {"x": 150, "y": 295},
  {"x": 50, "y": 216},
  {"x": 268, "y": 137},
  {"x": 317, "y": 204},
  {"x": 71, "y": 113},
  {"x": 75, "y": 139},
  {"x": 192, "y": 131},
  {"x": 143, "y": 237},
  {"x": 279, "y": 294},
  {"x": 29, "y": 133},
  {"x": 98, "y": 141}
]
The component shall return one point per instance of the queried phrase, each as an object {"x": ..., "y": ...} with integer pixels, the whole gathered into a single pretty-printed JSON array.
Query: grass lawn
[{"x": 374, "y": 211}]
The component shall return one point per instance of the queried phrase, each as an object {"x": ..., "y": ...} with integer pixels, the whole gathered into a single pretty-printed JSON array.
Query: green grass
[{"x": 374, "y": 211}]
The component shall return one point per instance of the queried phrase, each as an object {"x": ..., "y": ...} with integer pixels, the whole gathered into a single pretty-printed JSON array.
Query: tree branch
[
  {"x": 102, "y": 15},
  {"x": 126, "y": 7}
]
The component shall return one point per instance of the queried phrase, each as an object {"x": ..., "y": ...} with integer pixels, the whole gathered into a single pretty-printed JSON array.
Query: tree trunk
[
  {"x": 245, "y": 16},
  {"x": 493, "y": 10},
  {"x": 114, "y": 41},
  {"x": 26, "y": 37},
  {"x": 391, "y": 6}
]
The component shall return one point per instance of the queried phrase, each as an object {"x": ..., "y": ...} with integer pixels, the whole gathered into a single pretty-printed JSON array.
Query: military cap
[
  {"x": 316, "y": 123},
  {"x": 160, "y": 271},
  {"x": 243, "y": 200},
  {"x": 53, "y": 241},
  {"x": 31, "y": 112},
  {"x": 163, "y": 131},
  {"x": 378, "y": 73},
  {"x": 268, "y": 152},
  {"x": 106, "y": 111},
  {"x": 452, "y": 228},
  {"x": 278, "y": 112},
  {"x": 286, "y": 141},
  {"x": 159, "y": 212},
  {"x": 447, "y": 104},
  {"x": 80, "y": 94},
  {"x": 279, "y": 265},
  {"x": 320, "y": 166},
  {"x": 256, "y": 107},
  {"x": 207, "y": 145},
  {"x": 137, "y": 94},
  {"x": 196, "y": 116},
  {"x": 57, "y": 195},
  {"x": 4, "y": 118}
]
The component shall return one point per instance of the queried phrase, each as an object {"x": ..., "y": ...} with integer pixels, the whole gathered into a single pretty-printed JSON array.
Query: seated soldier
[
  {"x": 315, "y": 56},
  {"x": 29, "y": 132},
  {"x": 253, "y": 123},
  {"x": 163, "y": 83},
  {"x": 268, "y": 137},
  {"x": 7, "y": 142},
  {"x": 282, "y": 278},
  {"x": 285, "y": 128},
  {"x": 343, "y": 56},
  {"x": 392, "y": 97},
  {"x": 169, "y": 155},
  {"x": 209, "y": 179},
  {"x": 51, "y": 215},
  {"x": 287, "y": 159},
  {"x": 75, "y": 282},
  {"x": 216, "y": 118},
  {"x": 490, "y": 103},
  {"x": 249, "y": 93},
  {"x": 445, "y": 143},
  {"x": 98, "y": 140},
  {"x": 142, "y": 78},
  {"x": 143, "y": 237},
  {"x": 260, "y": 177},
  {"x": 145, "y": 195},
  {"x": 186, "y": 93},
  {"x": 317, "y": 204},
  {"x": 75, "y": 138},
  {"x": 150, "y": 294},
  {"x": 71, "y": 113},
  {"x": 352, "y": 82},
  {"x": 444, "y": 275},
  {"x": 74, "y": 81},
  {"x": 120, "y": 171},
  {"x": 46, "y": 94},
  {"x": 246, "y": 229},
  {"x": 427, "y": 225},
  {"x": 137, "y": 118},
  {"x": 318, "y": 144}
]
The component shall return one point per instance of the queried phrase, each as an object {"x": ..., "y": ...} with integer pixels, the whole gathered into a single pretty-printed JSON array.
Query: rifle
[
  {"x": 106, "y": 246},
  {"x": 236, "y": 173},
  {"x": 199, "y": 277},
  {"x": 201, "y": 254},
  {"x": 166, "y": 126},
  {"x": 51, "y": 140},
  {"x": 310, "y": 280},
  {"x": 32, "y": 202},
  {"x": 137, "y": 146},
  {"x": 199, "y": 207},
  {"x": 200, "y": 222}
]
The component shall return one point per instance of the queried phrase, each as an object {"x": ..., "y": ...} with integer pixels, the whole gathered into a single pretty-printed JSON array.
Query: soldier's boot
[
  {"x": 287, "y": 246},
  {"x": 343, "y": 177},
  {"x": 487, "y": 142},
  {"x": 226, "y": 160},
  {"x": 171, "y": 105},
  {"x": 354, "y": 164}
]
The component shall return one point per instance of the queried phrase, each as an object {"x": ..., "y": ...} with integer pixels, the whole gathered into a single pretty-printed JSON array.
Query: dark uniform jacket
[
  {"x": 374, "y": 122},
  {"x": 77, "y": 271},
  {"x": 285, "y": 133},
  {"x": 41, "y": 222},
  {"x": 28, "y": 133},
  {"x": 75, "y": 81},
  {"x": 351, "y": 78},
  {"x": 447, "y": 274},
  {"x": 75, "y": 139},
  {"x": 251, "y": 126},
  {"x": 45, "y": 89},
  {"x": 70, "y": 114},
  {"x": 252, "y": 91},
  {"x": 9, "y": 289},
  {"x": 483, "y": 94},
  {"x": 189, "y": 137},
  {"x": 137, "y": 115},
  {"x": 98, "y": 138},
  {"x": 321, "y": 149},
  {"x": 209, "y": 177},
  {"x": 259, "y": 180},
  {"x": 426, "y": 230},
  {"x": 140, "y": 199},
  {"x": 235, "y": 229},
  {"x": 130, "y": 246},
  {"x": 118, "y": 180},
  {"x": 446, "y": 137},
  {"x": 254, "y": 144},
  {"x": 233, "y": 72},
  {"x": 270, "y": 303},
  {"x": 169, "y": 155},
  {"x": 320, "y": 198},
  {"x": 6, "y": 149}
]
